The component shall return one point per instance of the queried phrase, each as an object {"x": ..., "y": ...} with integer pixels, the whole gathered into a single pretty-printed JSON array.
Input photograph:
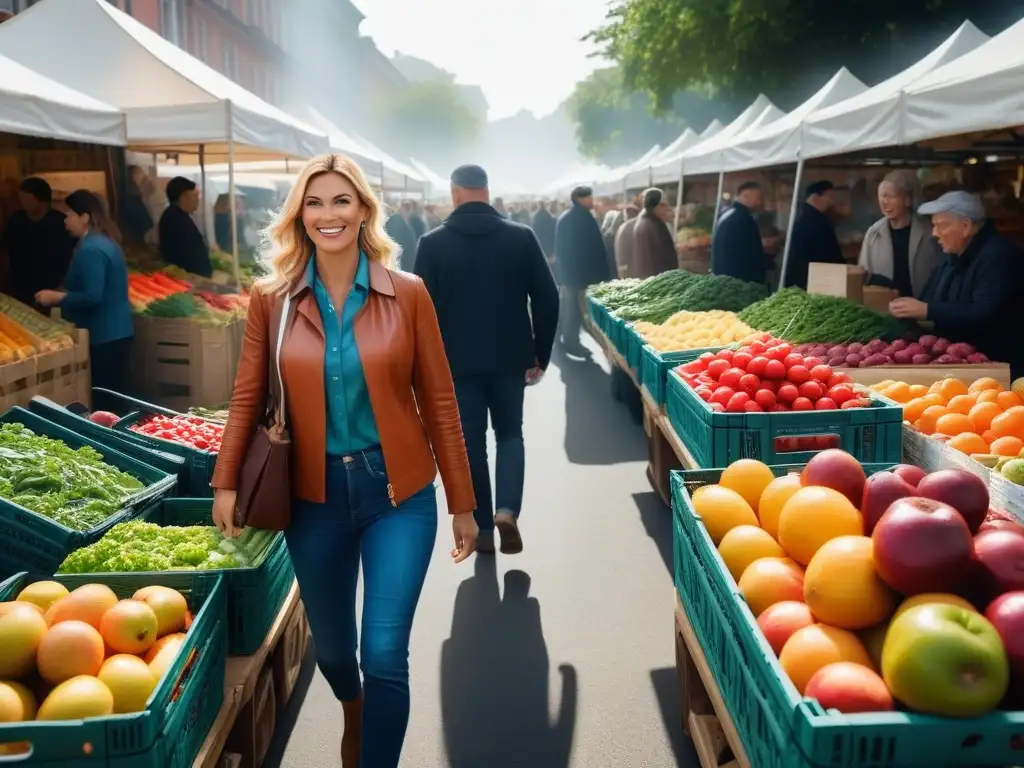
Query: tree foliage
[
  {"x": 429, "y": 119},
  {"x": 784, "y": 48}
]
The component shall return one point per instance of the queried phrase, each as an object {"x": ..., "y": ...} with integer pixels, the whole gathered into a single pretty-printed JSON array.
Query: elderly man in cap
[
  {"x": 497, "y": 306},
  {"x": 654, "y": 250},
  {"x": 581, "y": 261},
  {"x": 814, "y": 235},
  {"x": 974, "y": 294}
]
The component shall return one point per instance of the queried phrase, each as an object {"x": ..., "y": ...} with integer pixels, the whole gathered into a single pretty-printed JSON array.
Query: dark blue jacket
[
  {"x": 814, "y": 239},
  {"x": 580, "y": 256},
  {"x": 736, "y": 248},
  {"x": 488, "y": 276},
  {"x": 544, "y": 228},
  {"x": 97, "y": 290}
]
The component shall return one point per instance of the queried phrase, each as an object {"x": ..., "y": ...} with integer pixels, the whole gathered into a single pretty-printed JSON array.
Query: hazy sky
[{"x": 526, "y": 54}]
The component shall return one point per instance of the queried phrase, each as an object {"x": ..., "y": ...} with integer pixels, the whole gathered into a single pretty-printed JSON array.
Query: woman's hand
[
  {"x": 48, "y": 298},
  {"x": 224, "y": 512},
  {"x": 464, "y": 529}
]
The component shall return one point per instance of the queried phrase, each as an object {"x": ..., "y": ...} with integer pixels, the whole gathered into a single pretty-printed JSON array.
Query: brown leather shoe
[{"x": 508, "y": 529}]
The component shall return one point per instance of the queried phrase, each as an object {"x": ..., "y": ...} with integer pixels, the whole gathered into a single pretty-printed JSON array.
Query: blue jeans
[
  {"x": 501, "y": 396},
  {"x": 327, "y": 542}
]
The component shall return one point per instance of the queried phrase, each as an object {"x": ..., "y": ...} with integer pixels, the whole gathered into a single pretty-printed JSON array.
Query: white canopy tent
[
  {"x": 873, "y": 118},
  {"x": 340, "y": 141},
  {"x": 683, "y": 142},
  {"x": 980, "y": 91},
  {"x": 639, "y": 174},
  {"x": 438, "y": 185},
  {"x": 713, "y": 127},
  {"x": 778, "y": 142},
  {"x": 580, "y": 174},
  {"x": 613, "y": 181},
  {"x": 398, "y": 177},
  {"x": 34, "y": 105}
]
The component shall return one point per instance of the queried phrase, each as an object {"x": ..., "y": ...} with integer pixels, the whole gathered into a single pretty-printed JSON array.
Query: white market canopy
[
  {"x": 778, "y": 142},
  {"x": 587, "y": 174},
  {"x": 873, "y": 118},
  {"x": 438, "y": 185},
  {"x": 706, "y": 157},
  {"x": 398, "y": 177},
  {"x": 173, "y": 101},
  {"x": 612, "y": 181},
  {"x": 341, "y": 142},
  {"x": 662, "y": 174},
  {"x": 713, "y": 127},
  {"x": 638, "y": 175},
  {"x": 982, "y": 90},
  {"x": 34, "y": 105}
]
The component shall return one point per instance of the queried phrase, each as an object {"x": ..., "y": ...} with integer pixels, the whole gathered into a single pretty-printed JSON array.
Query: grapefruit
[
  {"x": 163, "y": 653},
  {"x": 842, "y": 587},
  {"x": 168, "y": 604},
  {"x": 749, "y": 478},
  {"x": 721, "y": 510},
  {"x": 43, "y": 593},
  {"x": 817, "y": 646},
  {"x": 775, "y": 496},
  {"x": 76, "y": 699},
  {"x": 17, "y": 704},
  {"x": 22, "y": 628},
  {"x": 743, "y": 545},
  {"x": 771, "y": 580},
  {"x": 88, "y": 603},
  {"x": 130, "y": 680},
  {"x": 814, "y": 515},
  {"x": 129, "y": 627},
  {"x": 69, "y": 649}
]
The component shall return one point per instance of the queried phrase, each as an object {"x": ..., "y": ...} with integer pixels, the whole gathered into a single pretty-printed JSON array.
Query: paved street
[{"x": 562, "y": 656}]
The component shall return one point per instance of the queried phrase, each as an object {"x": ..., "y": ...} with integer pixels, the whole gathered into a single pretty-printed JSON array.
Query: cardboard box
[
  {"x": 836, "y": 280},
  {"x": 289, "y": 654},
  {"x": 877, "y": 298}
]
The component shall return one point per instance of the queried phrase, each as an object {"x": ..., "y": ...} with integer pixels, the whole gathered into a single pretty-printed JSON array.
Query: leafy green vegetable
[
  {"x": 802, "y": 318},
  {"x": 74, "y": 488},
  {"x": 138, "y": 546},
  {"x": 173, "y": 306}
]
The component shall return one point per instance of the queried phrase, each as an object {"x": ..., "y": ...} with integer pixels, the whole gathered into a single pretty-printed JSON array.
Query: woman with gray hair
[{"x": 898, "y": 250}]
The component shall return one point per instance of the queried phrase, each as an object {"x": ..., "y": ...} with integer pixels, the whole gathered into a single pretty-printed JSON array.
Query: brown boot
[{"x": 352, "y": 739}]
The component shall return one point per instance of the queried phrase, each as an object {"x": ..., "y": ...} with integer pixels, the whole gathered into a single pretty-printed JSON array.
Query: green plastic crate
[
  {"x": 655, "y": 365},
  {"x": 871, "y": 435},
  {"x": 617, "y": 334},
  {"x": 199, "y": 465},
  {"x": 634, "y": 348},
  {"x": 254, "y": 595},
  {"x": 180, "y": 712},
  {"x": 38, "y": 545},
  {"x": 781, "y": 729}
]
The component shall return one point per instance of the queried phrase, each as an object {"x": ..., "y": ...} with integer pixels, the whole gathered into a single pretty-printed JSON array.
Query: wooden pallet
[{"x": 705, "y": 718}]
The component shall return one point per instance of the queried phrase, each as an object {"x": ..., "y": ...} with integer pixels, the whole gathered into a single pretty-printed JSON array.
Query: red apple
[
  {"x": 780, "y": 621},
  {"x": 1007, "y": 615},
  {"x": 922, "y": 545},
  {"x": 998, "y": 519},
  {"x": 999, "y": 558},
  {"x": 104, "y": 418},
  {"x": 909, "y": 473},
  {"x": 880, "y": 491},
  {"x": 837, "y": 470},
  {"x": 849, "y": 688},
  {"x": 962, "y": 490}
]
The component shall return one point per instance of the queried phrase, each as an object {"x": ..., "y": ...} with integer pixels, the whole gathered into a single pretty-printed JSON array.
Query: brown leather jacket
[
  {"x": 405, "y": 366},
  {"x": 654, "y": 251}
]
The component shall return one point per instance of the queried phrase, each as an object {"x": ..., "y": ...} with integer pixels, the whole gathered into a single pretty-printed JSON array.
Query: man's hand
[
  {"x": 48, "y": 298},
  {"x": 534, "y": 375},
  {"x": 908, "y": 309}
]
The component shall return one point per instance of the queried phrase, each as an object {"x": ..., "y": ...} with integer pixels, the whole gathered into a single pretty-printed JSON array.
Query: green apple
[
  {"x": 873, "y": 639},
  {"x": 945, "y": 660}
]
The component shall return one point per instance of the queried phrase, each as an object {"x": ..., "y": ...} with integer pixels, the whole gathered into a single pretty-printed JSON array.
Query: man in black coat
[
  {"x": 736, "y": 247},
  {"x": 497, "y": 306},
  {"x": 401, "y": 229},
  {"x": 544, "y": 228},
  {"x": 814, "y": 235},
  {"x": 580, "y": 261},
  {"x": 975, "y": 294}
]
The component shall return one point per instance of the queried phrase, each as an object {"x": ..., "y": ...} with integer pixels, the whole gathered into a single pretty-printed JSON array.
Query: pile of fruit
[
  {"x": 74, "y": 488},
  {"x": 692, "y": 238},
  {"x": 695, "y": 330},
  {"x": 25, "y": 332},
  {"x": 899, "y": 588},
  {"x": 767, "y": 375},
  {"x": 809, "y": 318},
  {"x": 85, "y": 653},
  {"x": 927, "y": 350},
  {"x": 192, "y": 431}
]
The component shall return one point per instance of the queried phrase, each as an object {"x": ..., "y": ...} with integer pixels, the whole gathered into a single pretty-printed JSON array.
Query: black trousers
[{"x": 110, "y": 364}]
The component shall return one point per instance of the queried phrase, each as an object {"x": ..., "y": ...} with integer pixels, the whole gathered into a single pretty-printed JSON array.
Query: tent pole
[
  {"x": 718, "y": 200},
  {"x": 234, "y": 216},
  {"x": 202, "y": 190},
  {"x": 797, "y": 183},
  {"x": 679, "y": 193}
]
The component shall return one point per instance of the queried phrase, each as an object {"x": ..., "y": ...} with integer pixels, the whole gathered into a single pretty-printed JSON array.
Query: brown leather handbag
[{"x": 264, "y": 497}]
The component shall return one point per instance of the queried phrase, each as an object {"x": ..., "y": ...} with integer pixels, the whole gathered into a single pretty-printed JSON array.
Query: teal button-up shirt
[{"x": 351, "y": 425}]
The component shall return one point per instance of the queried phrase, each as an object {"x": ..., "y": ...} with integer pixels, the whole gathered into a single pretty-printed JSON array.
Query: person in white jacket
[{"x": 899, "y": 250}]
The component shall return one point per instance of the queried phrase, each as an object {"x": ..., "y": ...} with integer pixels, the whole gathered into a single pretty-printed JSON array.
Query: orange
[
  {"x": 843, "y": 589},
  {"x": 989, "y": 436},
  {"x": 985, "y": 383},
  {"x": 988, "y": 396},
  {"x": 1006, "y": 446},
  {"x": 981, "y": 415},
  {"x": 912, "y": 411},
  {"x": 749, "y": 478},
  {"x": 929, "y": 419},
  {"x": 773, "y": 499},
  {"x": 953, "y": 424},
  {"x": 743, "y": 545},
  {"x": 918, "y": 390},
  {"x": 721, "y": 510},
  {"x": 969, "y": 442},
  {"x": 962, "y": 403},
  {"x": 771, "y": 580},
  {"x": 1008, "y": 400},
  {"x": 813, "y": 516},
  {"x": 1009, "y": 423},
  {"x": 811, "y": 648},
  {"x": 950, "y": 388},
  {"x": 900, "y": 392}
]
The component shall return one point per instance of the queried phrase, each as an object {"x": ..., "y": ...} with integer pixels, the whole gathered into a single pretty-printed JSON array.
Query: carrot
[{"x": 15, "y": 331}]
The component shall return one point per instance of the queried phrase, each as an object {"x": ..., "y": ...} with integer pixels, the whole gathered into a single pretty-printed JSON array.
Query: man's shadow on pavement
[{"x": 495, "y": 676}]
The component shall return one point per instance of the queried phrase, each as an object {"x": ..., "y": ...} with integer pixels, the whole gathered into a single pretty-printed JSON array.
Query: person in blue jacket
[
  {"x": 95, "y": 292},
  {"x": 736, "y": 246}
]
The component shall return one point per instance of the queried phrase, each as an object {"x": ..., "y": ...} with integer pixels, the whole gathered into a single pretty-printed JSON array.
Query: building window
[
  {"x": 170, "y": 19},
  {"x": 197, "y": 38},
  {"x": 229, "y": 59}
]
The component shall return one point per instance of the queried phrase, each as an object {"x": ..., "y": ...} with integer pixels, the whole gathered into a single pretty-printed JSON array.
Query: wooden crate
[
  {"x": 55, "y": 376},
  {"x": 289, "y": 654},
  {"x": 254, "y": 729},
  {"x": 17, "y": 383}
]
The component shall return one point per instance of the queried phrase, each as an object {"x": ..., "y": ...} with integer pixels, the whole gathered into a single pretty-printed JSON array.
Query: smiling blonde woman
[{"x": 370, "y": 404}]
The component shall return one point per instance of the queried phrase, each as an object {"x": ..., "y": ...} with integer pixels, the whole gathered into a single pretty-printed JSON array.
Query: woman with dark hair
[{"x": 95, "y": 293}]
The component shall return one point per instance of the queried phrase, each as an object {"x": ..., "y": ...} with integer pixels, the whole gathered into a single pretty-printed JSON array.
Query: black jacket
[
  {"x": 579, "y": 249},
  {"x": 544, "y": 228},
  {"x": 736, "y": 248},
  {"x": 182, "y": 244},
  {"x": 402, "y": 232},
  {"x": 974, "y": 297},
  {"x": 488, "y": 276},
  {"x": 814, "y": 239},
  {"x": 39, "y": 253}
]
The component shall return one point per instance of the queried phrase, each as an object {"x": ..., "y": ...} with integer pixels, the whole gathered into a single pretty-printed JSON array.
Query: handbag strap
[{"x": 277, "y": 395}]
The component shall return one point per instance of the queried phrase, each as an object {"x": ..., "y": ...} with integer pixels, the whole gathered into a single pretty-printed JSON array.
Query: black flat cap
[
  {"x": 470, "y": 177},
  {"x": 819, "y": 187}
]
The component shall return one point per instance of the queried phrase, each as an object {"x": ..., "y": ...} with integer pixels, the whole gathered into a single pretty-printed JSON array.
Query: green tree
[
  {"x": 784, "y": 48},
  {"x": 430, "y": 120}
]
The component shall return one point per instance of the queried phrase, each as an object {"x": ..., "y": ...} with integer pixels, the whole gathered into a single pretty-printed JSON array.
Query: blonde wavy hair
[{"x": 290, "y": 247}]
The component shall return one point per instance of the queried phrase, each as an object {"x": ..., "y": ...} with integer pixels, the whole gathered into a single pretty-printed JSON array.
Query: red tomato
[
  {"x": 725, "y": 354},
  {"x": 787, "y": 393},
  {"x": 821, "y": 373},
  {"x": 775, "y": 369},
  {"x": 752, "y": 407},
  {"x": 757, "y": 347},
  {"x": 706, "y": 358},
  {"x": 798, "y": 374},
  {"x": 787, "y": 444},
  {"x": 718, "y": 407},
  {"x": 774, "y": 353},
  {"x": 765, "y": 398},
  {"x": 825, "y": 404},
  {"x": 838, "y": 378},
  {"x": 704, "y": 394},
  {"x": 785, "y": 348},
  {"x": 861, "y": 402},
  {"x": 707, "y": 381},
  {"x": 742, "y": 360},
  {"x": 812, "y": 390},
  {"x": 793, "y": 359},
  {"x": 722, "y": 395},
  {"x": 803, "y": 404},
  {"x": 717, "y": 367},
  {"x": 771, "y": 386},
  {"x": 824, "y": 442},
  {"x": 749, "y": 383},
  {"x": 693, "y": 367},
  {"x": 779, "y": 408},
  {"x": 757, "y": 365},
  {"x": 737, "y": 402},
  {"x": 840, "y": 393},
  {"x": 811, "y": 362},
  {"x": 731, "y": 378}
]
